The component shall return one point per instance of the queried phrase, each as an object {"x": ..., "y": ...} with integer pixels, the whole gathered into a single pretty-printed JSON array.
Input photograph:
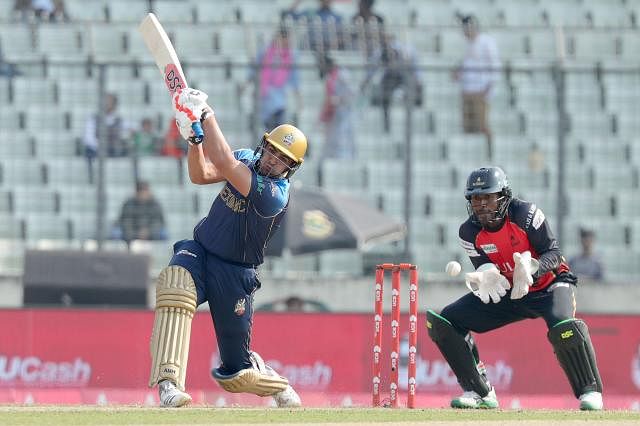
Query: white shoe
[
  {"x": 287, "y": 398},
  {"x": 471, "y": 399},
  {"x": 171, "y": 396},
  {"x": 591, "y": 401}
]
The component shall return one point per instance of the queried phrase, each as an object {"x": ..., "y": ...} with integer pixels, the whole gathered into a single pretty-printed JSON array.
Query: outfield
[{"x": 129, "y": 415}]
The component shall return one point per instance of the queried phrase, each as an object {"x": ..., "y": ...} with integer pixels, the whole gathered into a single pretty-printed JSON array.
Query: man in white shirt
[{"x": 478, "y": 75}]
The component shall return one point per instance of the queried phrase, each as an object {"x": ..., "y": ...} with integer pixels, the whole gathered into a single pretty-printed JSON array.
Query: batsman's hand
[
  {"x": 487, "y": 283},
  {"x": 189, "y": 105},
  {"x": 523, "y": 272}
]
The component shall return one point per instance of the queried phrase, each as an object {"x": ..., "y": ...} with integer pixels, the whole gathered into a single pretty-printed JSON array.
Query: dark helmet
[{"x": 489, "y": 180}]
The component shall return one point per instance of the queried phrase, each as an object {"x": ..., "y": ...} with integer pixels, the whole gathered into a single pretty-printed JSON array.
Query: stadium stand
[{"x": 45, "y": 190}]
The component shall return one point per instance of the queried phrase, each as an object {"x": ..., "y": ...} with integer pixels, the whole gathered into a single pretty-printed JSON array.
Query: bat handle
[{"x": 197, "y": 131}]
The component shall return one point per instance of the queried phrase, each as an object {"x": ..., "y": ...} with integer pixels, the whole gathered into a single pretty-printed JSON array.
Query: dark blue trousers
[{"x": 229, "y": 289}]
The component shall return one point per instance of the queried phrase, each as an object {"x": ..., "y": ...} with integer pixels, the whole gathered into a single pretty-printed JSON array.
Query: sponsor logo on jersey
[
  {"x": 236, "y": 204},
  {"x": 538, "y": 219},
  {"x": 489, "y": 248},
  {"x": 469, "y": 248},
  {"x": 240, "y": 307},
  {"x": 532, "y": 210}
]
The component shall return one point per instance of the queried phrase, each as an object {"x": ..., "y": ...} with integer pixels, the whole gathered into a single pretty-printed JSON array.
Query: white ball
[{"x": 453, "y": 268}]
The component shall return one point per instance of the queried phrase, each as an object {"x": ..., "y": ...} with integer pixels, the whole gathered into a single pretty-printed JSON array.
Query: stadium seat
[
  {"x": 21, "y": 171},
  {"x": 62, "y": 42},
  {"x": 87, "y": 11},
  {"x": 61, "y": 171},
  {"x": 46, "y": 226},
  {"x": 30, "y": 199},
  {"x": 127, "y": 11},
  {"x": 78, "y": 198},
  {"x": 335, "y": 173},
  {"x": 165, "y": 171},
  {"x": 25, "y": 89},
  {"x": 340, "y": 262},
  {"x": 120, "y": 172},
  {"x": 174, "y": 199}
]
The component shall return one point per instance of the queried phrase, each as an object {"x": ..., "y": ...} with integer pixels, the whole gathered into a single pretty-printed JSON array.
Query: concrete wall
[{"x": 356, "y": 295}]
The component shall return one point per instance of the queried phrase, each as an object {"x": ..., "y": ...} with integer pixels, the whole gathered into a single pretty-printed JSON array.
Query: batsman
[
  {"x": 219, "y": 264},
  {"x": 520, "y": 273}
]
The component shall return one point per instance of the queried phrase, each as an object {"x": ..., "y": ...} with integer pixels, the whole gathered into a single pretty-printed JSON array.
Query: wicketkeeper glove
[
  {"x": 189, "y": 106},
  {"x": 525, "y": 267},
  {"x": 487, "y": 283}
]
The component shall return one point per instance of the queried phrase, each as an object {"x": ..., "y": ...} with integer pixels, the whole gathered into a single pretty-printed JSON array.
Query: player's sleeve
[
  {"x": 268, "y": 196},
  {"x": 466, "y": 238},
  {"x": 542, "y": 240}
]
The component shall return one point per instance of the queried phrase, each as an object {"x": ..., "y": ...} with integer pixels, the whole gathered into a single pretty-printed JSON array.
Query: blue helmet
[{"x": 489, "y": 180}]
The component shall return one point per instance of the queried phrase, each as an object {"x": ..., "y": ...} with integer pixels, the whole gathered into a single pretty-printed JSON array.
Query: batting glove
[
  {"x": 487, "y": 283},
  {"x": 523, "y": 272},
  {"x": 189, "y": 106}
]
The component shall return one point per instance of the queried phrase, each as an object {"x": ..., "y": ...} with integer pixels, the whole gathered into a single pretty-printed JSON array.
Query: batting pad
[
  {"x": 176, "y": 300},
  {"x": 251, "y": 380}
]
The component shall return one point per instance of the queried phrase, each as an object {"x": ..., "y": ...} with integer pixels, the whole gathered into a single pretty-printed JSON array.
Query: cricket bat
[{"x": 164, "y": 54}]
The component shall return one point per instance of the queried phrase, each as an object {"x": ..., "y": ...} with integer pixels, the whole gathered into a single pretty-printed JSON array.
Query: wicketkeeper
[{"x": 520, "y": 273}]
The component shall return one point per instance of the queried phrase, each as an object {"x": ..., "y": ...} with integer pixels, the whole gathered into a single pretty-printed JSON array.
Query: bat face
[{"x": 173, "y": 78}]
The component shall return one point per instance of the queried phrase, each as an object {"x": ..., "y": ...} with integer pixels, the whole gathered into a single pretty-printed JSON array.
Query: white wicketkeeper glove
[
  {"x": 525, "y": 267},
  {"x": 189, "y": 104},
  {"x": 487, "y": 283}
]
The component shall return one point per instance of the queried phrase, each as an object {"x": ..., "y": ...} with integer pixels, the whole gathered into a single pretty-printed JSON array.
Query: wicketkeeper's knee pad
[
  {"x": 459, "y": 351},
  {"x": 176, "y": 301},
  {"x": 260, "y": 380},
  {"x": 574, "y": 350}
]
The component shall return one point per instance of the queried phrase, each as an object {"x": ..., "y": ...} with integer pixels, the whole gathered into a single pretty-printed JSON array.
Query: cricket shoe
[
  {"x": 287, "y": 398},
  {"x": 471, "y": 399},
  {"x": 171, "y": 396},
  {"x": 591, "y": 401}
]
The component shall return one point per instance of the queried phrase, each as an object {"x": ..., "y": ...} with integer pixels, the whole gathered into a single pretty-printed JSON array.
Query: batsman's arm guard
[
  {"x": 459, "y": 351},
  {"x": 574, "y": 350},
  {"x": 176, "y": 300}
]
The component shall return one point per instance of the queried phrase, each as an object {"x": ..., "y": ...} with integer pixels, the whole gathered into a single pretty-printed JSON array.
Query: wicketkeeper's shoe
[
  {"x": 171, "y": 396},
  {"x": 591, "y": 401},
  {"x": 471, "y": 399},
  {"x": 287, "y": 398}
]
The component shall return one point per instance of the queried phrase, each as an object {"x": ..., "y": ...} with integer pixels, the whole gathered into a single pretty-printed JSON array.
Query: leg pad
[
  {"x": 572, "y": 346},
  {"x": 459, "y": 351},
  {"x": 176, "y": 300}
]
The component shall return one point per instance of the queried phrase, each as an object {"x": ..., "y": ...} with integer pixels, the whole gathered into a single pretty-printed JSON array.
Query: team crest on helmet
[
  {"x": 240, "y": 307},
  {"x": 478, "y": 182},
  {"x": 288, "y": 139}
]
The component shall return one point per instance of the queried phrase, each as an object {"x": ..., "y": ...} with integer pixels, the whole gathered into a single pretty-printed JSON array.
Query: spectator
[
  {"x": 48, "y": 10},
  {"x": 146, "y": 141},
  {"x": 173, "y": 145},
  {"x": 399, "y": 70},
  {"x": 276, "y": 72},
  {"x": 587, "y": 264},
  {"x": 22, "y": 10},
  {"x": 478, "y": 75},
  {"x": 368, "y": 27},
  {"x": 115, "y": 130},
  {"x": 337, "y": 113},
  {"x": 141, "y": 217},
  {"x": 325, "y": 25}
]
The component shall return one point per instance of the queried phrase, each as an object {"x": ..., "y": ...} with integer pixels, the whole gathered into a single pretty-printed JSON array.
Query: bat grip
[{"x": 197, "y": 131}]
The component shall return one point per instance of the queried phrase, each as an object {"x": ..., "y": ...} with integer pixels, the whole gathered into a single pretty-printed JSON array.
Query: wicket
[{"x": 395, "y": 331}]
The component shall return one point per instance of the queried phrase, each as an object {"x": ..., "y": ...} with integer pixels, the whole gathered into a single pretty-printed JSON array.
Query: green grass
[{"x": 130, "y": 415}]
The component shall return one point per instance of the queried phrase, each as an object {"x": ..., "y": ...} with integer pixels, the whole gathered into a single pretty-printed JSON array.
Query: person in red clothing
[{"x": 521, "y": 270}]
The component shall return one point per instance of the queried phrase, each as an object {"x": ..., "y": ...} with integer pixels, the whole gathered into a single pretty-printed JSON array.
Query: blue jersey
[{"x": 238, "y": 228}]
